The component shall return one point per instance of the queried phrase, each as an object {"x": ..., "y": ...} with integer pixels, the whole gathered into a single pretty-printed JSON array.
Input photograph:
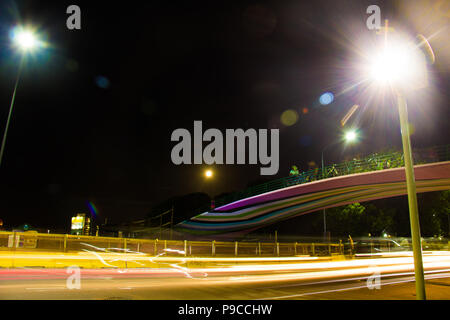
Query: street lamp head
[
  {"x": 350, "y": 136},
  {"x": 400, "y": 64},
  {"x": 25, "y": 39},
  {"x": 208, "y": 173},
  {"x": 390, "y": 65}
]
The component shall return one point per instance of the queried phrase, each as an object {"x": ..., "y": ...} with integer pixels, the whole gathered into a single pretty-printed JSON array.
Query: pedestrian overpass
[{"x": 374, "y": 177}]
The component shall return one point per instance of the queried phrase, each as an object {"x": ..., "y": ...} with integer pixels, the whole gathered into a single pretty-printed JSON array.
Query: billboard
[{"x": 78, "y": 223}]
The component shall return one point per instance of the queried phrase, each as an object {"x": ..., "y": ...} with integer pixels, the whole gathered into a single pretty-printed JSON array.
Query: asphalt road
[{"x": 318, "y": 280}]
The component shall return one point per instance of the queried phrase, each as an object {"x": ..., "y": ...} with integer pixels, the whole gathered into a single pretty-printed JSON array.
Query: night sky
[{"x": 95, "y": 111}]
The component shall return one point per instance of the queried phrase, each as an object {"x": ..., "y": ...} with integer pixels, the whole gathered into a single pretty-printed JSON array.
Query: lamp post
[
  {"x": 209, "y": 174},
  {"x": 25, "y": 41},
  {"x": 412, "y": 198},
  {"x": 349, "y": 137},
  {"x": 403, "y": 67}
]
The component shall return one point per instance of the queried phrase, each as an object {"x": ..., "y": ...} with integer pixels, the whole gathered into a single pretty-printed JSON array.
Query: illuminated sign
[{"x": 78, "y": 222}]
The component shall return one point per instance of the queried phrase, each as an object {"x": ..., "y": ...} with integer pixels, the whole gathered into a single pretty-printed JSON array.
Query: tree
[
  {"x": 379, "y": 220},
  {"x": 345, "y": 220},
  {"x": 434, "y": 210}
]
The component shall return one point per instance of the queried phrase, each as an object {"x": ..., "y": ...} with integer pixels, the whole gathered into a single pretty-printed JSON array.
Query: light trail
[
  {"x": 382, "y": 283},
  {"x": 250, "y": 272},
  {"x": 173, "y": 284}
]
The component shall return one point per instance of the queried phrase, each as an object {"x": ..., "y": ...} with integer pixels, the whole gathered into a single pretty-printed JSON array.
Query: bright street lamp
[
  {"x": 208, "y": 173},
  {"x": 402, "y": 66},
  {"x": 24, "y": 40}
]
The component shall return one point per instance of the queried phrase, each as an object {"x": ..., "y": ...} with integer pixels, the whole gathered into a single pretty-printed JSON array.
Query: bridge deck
[{"x": 270, "y": 207}]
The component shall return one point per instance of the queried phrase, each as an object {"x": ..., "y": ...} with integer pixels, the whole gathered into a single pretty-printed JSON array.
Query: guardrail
[
  {"x": 155, "y": 247},
  {"x": 370, "y": 163},
  {"x": 74, "y": 243}
]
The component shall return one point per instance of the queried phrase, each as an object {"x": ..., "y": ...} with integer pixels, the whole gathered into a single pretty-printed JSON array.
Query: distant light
[
  {"x": 326, "y": 98},
  {"x": 350, "y": 136},
  {"x": 208, "y": 173}
]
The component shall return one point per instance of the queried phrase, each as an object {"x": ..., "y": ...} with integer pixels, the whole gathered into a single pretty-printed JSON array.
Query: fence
[{"x": 75, "y": 243}]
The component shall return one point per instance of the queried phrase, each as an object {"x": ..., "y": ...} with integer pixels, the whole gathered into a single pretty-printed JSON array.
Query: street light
[
  {"x": 208, "y": 173},
  {"x": 25, "y": 41},
  {"x": 402, "y": 66},
  {"x": 349, "y": 137}
]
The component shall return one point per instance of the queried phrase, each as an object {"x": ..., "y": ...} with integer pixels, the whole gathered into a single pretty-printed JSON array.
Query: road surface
[{"x": 380, "y": 277}]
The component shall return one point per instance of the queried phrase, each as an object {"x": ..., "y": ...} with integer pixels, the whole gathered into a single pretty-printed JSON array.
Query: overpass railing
[{"x": 373, "y": 162}]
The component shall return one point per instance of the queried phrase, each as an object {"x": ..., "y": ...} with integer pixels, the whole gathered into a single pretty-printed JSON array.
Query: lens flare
[
  {"x": 289, "y": 117},
  {"x": 326, "y": 98},
  {"x": 92, "y": 209}
]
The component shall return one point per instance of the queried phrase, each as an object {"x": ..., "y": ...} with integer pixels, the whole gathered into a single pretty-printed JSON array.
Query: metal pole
[
  {"x": 65, "y": 243},
  {"x": 448, "y": 216},
  {"x": 412, "y": 198},
  {"x": 171, "y": 225},
  {"x": 2, "y": 150},
  {"x": 324, "y": 212}
]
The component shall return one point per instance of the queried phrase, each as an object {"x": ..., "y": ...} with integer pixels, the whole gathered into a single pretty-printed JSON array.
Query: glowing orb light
[
  {"x": 400, "y": 64},
  {"x": 24, "y": 39},
  {"x": 350, "y": 136}
]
